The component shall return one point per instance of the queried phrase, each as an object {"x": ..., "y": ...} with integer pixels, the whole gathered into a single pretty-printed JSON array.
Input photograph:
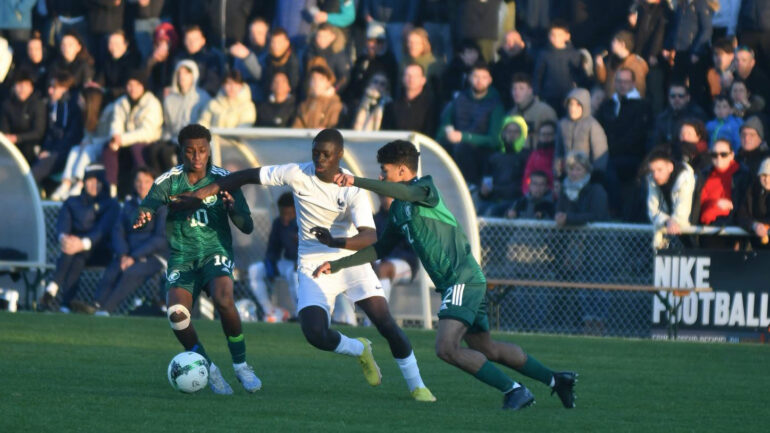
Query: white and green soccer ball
[{"x": 188, "y": 372}]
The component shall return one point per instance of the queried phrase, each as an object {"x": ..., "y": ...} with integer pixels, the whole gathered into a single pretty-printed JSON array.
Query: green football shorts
[
  {"x": 194, "y": 275},
  {"x": 466, "y": 303}
]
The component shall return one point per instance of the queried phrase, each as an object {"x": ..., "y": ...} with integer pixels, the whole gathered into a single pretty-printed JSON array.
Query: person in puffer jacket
[
  {"x": 581, "y": 132},
  {"x": 232, "y": 107},
  {"x": 84, "y": 226}
]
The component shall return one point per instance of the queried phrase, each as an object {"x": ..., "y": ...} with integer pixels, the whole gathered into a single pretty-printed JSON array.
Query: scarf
[
  {"x": 572, "y": 189},
  {"x": 718, "y": 185}
]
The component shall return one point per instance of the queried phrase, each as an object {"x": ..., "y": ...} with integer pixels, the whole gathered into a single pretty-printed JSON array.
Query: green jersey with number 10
[{"x": 203, "y": 232}]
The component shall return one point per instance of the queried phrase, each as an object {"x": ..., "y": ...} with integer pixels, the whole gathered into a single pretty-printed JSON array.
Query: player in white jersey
[{"x": 331, "y": 220}]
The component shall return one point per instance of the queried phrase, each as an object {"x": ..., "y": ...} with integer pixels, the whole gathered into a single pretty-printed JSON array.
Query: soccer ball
[{"x": 188, "y": 372}]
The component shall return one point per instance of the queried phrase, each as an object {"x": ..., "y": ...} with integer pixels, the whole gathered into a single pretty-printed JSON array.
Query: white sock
[
  {"x": 52, "y": 288},
  {"x": 411, "y": 372},
  {"x": 237, "y": 366},
  {"x": 553, "y": 382},
  {"x": 386, "y": 287},
  {"x": 515, "y": 385},
  {"x": 349, "y": 346}
]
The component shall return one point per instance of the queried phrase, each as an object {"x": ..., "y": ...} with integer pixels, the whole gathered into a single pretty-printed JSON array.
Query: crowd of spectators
[{"x": 572, "y": 110}]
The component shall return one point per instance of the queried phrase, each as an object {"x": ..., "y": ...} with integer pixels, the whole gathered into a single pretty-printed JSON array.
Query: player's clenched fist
[
  {"x": 142, "y": 219},
  {"x": 343, "y": 179},
  {"x": 325, "y": 268},
  {"x": 325, "y": 237}
]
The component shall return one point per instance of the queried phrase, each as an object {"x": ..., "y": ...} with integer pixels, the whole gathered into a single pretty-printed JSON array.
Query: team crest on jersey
[
  {"x": 210, "y": 200},
  {"x": 172, "y": 276},
  {"x": 340, "y": 203}
]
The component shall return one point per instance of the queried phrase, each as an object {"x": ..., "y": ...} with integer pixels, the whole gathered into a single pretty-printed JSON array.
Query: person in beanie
[
  {"x": 753, "y": 146},
  {"x": 754, "y": 214},
  {"x": 136, "y": 124},
  {"x": 83, "y": 227}
]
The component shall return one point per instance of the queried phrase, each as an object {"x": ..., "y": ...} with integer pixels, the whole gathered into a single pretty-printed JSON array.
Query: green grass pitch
[{"x": 62, "y": 373}]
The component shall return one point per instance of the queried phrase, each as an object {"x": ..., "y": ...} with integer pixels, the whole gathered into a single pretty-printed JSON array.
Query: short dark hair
[
  {"x": 286, "y": 200},
  {"x": 23, "y": 74},
  {"x": 330, "y": 135},
  {"x": 539, "y": 173},
  {"x": 400, "y": 152},
  {"x": 323, "y": 70},
  {"x": 63, "y": 78},
  {"x": 410, "y": 64},
  {"x": 660, "y": 152},
  {"x": 522, "y": 77},
  {"x": 559, "y": 23},
  {"x": 143, "y": 169},
  {"x": 193, "y": 28},
  {"x": 724, "y": 44},
  {"x": 481, "y": 64},
  {"x": 627, "y": 38},
  {"x": 193, "y": 131},
  {"x": 234, "y": 75},
  {"x": 679, "y": 84},
  {"x": 723, "y": 97},
  {"x": 279, "y": 31}
]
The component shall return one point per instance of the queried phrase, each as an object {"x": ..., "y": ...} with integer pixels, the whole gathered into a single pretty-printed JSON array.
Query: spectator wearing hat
[
  {"x": 504, "y": 170},
  {"x": 74, "y": 59},
  {"x": 754, "y": 215},
  {"x": 415, "y": 109},
  {"x": 558, "y": 68},
  {"x": 232, "y": 108},
  {"x": 112, "y": 73},
  {"x": 322, "y": 107},
  {"x": 65, "y": 128},
  {"x": 96, "y": 133},
  {"x": 329, "y": 43},
  {"x": 83, "y": 229},
  {"x": 670, "y": 187},
  {"x": 396, "y": 15},
  {"x": 279, "y": 109},
  {"x": 250, "y": 60},
  {"x": 470, "y": 125},
  {"x": 136, "y": 124},
  {"x": 622, "y": 56},
  {"x": 376, "y": 58},
  {"x": 210, "y": 60},
  {"x": 582, "y": 199},
  {"x": 281, "y": 58},
  {"x": 753, "y": 148},
  {"x": 138, "y": 254},
  {"x": 159, "y": 67},
  {"x": 23, "y": 116},
  {"x": 579, "y": 131}
]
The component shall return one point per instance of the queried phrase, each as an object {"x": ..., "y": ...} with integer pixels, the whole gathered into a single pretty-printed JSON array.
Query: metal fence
[{"x": 538, "y": 251}]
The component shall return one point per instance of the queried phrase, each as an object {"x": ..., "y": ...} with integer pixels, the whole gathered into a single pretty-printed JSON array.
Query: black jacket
[
  {"x": 650, "y": 32},
  {"x": 104, "y": 16},
  {"x": 507, "y": 172},
  {"x": 667, "y": 124},
  {"x": 290, "y": 68},
  {"x": 114, "y": 73},
  {"x": 65, "y": 125},
  {"x": 755, "y": 208},
  {"x": 626, "y": 132},
  {"x": 753, "y": 159},
  {"x": 591, "y": 204},
  {"x": 27, "y": 120},
  {"x": 273, "y": 114},
  {"x": 82, "y": 70},
  {"x": 417, "y": 115}
]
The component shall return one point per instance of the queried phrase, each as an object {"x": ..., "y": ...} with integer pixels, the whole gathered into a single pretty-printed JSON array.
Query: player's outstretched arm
[
  {"x": 399, "y": 191},
  {"x": 367, "y": 255},
  {"x": 366, "y": 236},
  {"x": 232, "y": 182}
]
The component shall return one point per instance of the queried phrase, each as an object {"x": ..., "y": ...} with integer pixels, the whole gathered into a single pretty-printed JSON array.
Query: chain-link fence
[{"x": 520, "y": 252}]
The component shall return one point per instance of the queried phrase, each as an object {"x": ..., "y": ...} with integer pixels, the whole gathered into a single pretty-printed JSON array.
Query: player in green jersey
[
  {"x": 201, "y": 252},
  {"x": 418, "y": 214}
]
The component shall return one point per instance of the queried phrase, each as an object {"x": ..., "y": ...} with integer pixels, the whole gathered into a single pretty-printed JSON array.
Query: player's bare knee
[
  {"x": 178, "y": 317},
  {"x": 445, "y": 350},
  {"x": 223, "y": 300}
]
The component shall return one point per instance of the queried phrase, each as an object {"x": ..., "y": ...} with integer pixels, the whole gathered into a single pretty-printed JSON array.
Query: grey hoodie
[
  {"x": 584, "y": 135},
  {"x": 181, "y": 109}
]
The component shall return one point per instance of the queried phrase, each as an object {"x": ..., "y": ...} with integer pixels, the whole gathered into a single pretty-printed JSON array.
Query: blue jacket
[
  {"x": 283, "y": 241},
  {"x": 143, "y": 242},
  {"x": 65, "y": 124},
  {"x": 729, "y": 128},
  {"x": 691, "y": 28},
  {"x": 89, "y": 217},
  {"x": 16, "y": 14}
]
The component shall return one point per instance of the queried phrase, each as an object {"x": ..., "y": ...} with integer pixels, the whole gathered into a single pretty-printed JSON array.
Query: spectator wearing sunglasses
[
  {"x": 679, "y": 108},
  {"x": 720, "y": 190}
]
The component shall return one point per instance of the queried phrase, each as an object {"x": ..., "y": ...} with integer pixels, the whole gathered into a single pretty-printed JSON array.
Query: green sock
[
  {"x": 237, "y": 346},
  {"x": 198, "y": 348},
  {"x": 534, "y": 369},
  {"x": 492, "y": 376}
]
